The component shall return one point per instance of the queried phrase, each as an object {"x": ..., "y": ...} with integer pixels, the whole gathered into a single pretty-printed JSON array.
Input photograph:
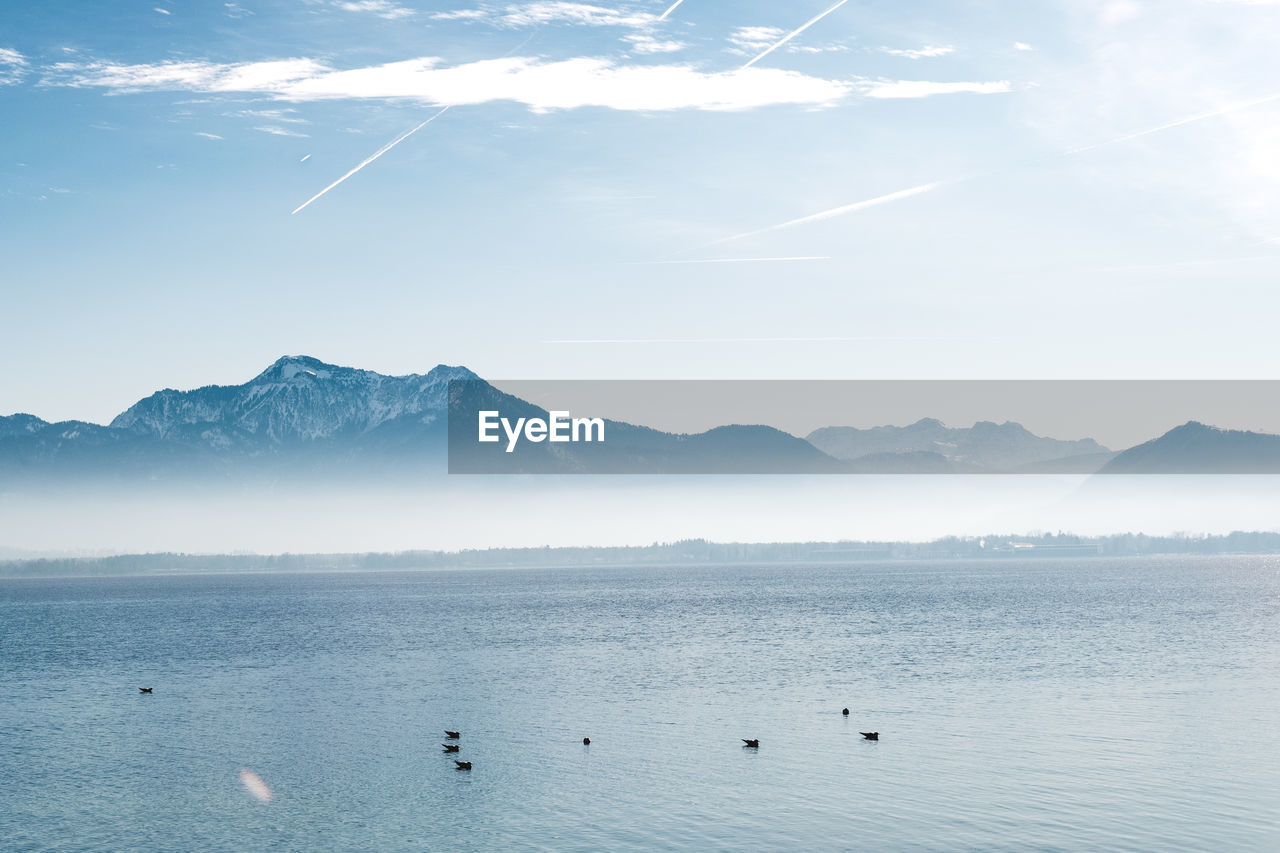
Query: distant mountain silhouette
[
  {"x": 984, "y": 447},
  {"x": 1195, "y": 448},
  {"x": 300, "y": 415},
  {"x": 303, "y": 418}
]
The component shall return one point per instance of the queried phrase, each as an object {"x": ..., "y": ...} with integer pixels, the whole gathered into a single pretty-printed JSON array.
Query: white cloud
[
  {"x": 926, "y": 52},
  {"x": 263, "y": 77},
  {"x": 1022, "y": 45},
  {"x": 13, "y": 66},
  {"x": 235, "y": 10},
  {"x": 752, "y": 40},
  {"x": 281, "y": 131},
  {"x": 161, "y": 11},
  {"x": 279, "y": 116},
  {"x": 207, "y": 135},
  {"x": 749, "y": 41},
  {"x": 460, "y": 15},
  {"x": 382, "y": 8},
  {"x": 811, "y": 48},
  {"x": 533, "y": 14},
  {"x": 541, "y": 85},
  {"x": 642, "y": 43},
  {"x": 925, "y": 88}
]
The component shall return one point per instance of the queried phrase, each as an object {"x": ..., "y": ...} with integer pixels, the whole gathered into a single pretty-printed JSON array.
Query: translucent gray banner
[{"x": 864, "y": 427}]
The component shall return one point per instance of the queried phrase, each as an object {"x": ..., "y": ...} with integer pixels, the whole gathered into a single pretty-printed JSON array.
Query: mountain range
[
  {"x": 983, "y": 447},
  {"x": 302, "y": 417}
]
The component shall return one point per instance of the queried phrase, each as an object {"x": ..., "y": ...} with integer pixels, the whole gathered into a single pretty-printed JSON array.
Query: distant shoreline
[{"x": 996, "y": 547}]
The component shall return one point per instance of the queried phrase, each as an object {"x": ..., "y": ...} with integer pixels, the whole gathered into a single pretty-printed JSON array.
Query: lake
[{"x": 1023, "y": 704}]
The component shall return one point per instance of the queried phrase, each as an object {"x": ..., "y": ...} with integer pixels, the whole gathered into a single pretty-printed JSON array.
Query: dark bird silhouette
[
  {"x": 586, "y": 741},
  {"x": 751, "y": 743},
  {"x": 450, "y": 747},
  {"x": 845, "y": 712},
  {"x": 452, "y": 735},
  {"x": 870, "y": 735},
  {"x": 146, "y": 689},
  {"x": 463, "y": 765}
]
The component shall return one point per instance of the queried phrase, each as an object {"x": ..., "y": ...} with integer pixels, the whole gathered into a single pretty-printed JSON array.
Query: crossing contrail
[
  {"x": 789, "y": 36},
  {"x": 1221, "y": 111},
  {"x": 836, "y": 211},
  {"x": 674, "y": 6},
  {"x": 374, "y": 156}
]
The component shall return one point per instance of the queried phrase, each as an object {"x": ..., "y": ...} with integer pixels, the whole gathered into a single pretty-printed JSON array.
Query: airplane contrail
[
  {"x": 789, "y": 36},
  {"x": 1221, "y": 111},
  {"x": 838, "y": 211},
  {"x": 374, "y": 156},
  {"x": 674, "y": 6}
]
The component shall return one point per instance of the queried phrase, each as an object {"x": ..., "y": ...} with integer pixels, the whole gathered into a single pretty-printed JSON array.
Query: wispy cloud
[
  {"x": 541, "y": 85},
  {"x": 382, "y": 8},
  {"x": 752, "y": 40},
  {"x": 281, "y": 116},
  {"x": 460, "y": 15},
  {"x": 925, "y": 88},
  {"x": 13, "y": 66},
  {"x": 927, "y": 52},
  {"x": 647, "y": 44},
  {"x": 789, "y": 36},
  {"x": 269, "y": 77},
  {"x": 280, "y": 131},
  {"x": 161, "y": 11},
  {"x": 535, "y": 14},
  {"x": 207, "y": 135},
  {"x": 1022, "y": 45},
  {"x": 366, "y": 161}
]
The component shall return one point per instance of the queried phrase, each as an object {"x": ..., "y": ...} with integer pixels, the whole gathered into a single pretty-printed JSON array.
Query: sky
[{"x": 654, "y": 190}]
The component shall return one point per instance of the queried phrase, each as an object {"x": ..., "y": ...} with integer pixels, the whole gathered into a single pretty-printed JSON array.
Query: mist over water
[
  {"x": 1095, "y": 704},
  {"x": 500, "y": 511}
]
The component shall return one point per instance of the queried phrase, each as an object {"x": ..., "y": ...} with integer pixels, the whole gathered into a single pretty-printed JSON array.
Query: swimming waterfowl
[
  {"x": 463, "y": 765},
  {"x": 586, "y": 741},
  {"x": 450, "y": 747},
  {"x": 452, "y": 735},
  {"x": 845, "y": 712},
  {"x": 870, "y": 735},
  {"x": 146, "y": 689},
  {"x": 751, "y": 743}
]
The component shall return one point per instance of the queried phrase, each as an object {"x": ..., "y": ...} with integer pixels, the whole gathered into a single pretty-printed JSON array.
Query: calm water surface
[{"x": 1051, "y": 705}]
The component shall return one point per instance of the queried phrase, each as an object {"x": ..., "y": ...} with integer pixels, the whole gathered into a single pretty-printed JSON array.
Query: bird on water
[
  {"x": 463, "y": 765},
  {"x": 146, "y": 689},
  {"x": 450, "y": 747},
  {"x": 870, "y": 735},
  {"x": 452, "y": 735},
  {"x": 755, "y": 744},
  {"x": 845, "y": 712},
  {"x": 586, "y": 741}
]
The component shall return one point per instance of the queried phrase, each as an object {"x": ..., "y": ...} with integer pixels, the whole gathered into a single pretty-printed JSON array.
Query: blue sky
[{"x": 1080, "y": 189}]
